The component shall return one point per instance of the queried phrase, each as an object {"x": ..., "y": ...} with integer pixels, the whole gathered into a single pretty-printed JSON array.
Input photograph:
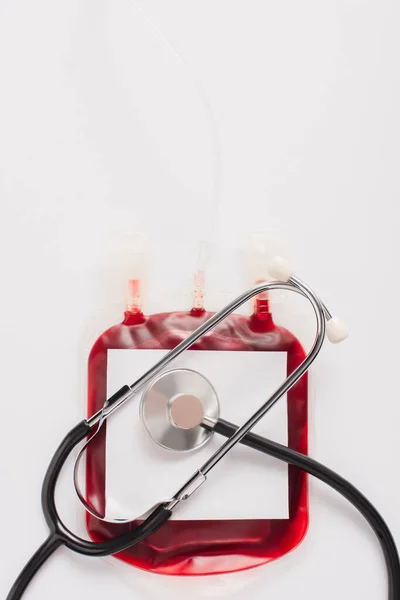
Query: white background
[{"x": 100, "y": 130}]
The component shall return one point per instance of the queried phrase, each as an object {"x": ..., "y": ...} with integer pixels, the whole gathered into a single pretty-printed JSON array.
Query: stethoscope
[{"x": 193, "y": 427}]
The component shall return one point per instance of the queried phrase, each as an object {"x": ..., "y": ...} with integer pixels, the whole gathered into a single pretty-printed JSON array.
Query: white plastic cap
[
  {"x": 280, "y": 268},
  {"x": 336, "y": 331}
]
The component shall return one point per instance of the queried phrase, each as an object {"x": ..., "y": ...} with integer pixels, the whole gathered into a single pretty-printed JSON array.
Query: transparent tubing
[
  {"x": 206, "y": 242},
  {"x": 128, "y": 392}
]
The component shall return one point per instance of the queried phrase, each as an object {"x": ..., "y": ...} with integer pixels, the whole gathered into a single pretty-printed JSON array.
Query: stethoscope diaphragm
[{"x": 175, "y": 406}]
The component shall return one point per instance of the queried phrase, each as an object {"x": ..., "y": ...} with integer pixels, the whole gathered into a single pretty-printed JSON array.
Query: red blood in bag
[{"x": 203, "y": 547}]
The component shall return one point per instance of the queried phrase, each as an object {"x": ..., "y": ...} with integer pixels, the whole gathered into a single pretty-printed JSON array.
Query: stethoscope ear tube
[
  {"x": 60, "y": 535},
  {"x": 72, "y": 439},
  {"x": 156, "y": 518}
]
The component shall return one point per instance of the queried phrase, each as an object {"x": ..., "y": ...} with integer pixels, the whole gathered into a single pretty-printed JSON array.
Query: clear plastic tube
[{"x": 207, "y": 240}]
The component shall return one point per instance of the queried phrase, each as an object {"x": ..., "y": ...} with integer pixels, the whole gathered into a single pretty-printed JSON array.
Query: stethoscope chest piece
[{"x": 175, "y": 407}]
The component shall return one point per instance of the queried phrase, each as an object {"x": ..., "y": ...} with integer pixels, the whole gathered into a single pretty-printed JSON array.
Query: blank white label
[{"x": 244, "y": 485}]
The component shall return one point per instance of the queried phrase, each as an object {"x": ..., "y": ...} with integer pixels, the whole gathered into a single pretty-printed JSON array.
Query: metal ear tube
[{"x": 279, "y": 267}]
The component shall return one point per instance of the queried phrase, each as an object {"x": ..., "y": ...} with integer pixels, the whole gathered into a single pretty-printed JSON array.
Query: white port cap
[
  {"x": 336, "y": 330},
  {"x": 279, "y": 268}
]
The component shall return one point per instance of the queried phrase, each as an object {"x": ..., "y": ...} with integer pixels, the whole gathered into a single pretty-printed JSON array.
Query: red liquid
[{"x": 203, "y": 547}]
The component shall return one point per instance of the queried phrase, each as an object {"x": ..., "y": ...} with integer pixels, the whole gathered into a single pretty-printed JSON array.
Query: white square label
[{"x": 244, "y": 485}]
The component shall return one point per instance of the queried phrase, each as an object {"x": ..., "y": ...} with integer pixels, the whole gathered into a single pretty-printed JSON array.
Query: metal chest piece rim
[{"x": 175, "y": 406}]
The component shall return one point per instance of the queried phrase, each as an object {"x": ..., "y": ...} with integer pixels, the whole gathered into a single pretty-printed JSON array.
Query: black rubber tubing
[
  {"x": 32, "y": 567},
  {"x": 61, "y": 535},
  {"x": 335, "y": 481}
]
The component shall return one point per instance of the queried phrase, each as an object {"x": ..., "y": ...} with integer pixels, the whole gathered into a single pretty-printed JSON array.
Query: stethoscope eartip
[
  {"x": 280, "y": 268},
  {"x": 178, "y": 409},
  {"x": 336, "y": 330}
]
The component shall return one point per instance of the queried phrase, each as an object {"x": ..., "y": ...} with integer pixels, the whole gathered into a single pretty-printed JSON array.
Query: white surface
[
  {"x": 129, "y": 449},
  {"x": 306, "y": 97}
]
